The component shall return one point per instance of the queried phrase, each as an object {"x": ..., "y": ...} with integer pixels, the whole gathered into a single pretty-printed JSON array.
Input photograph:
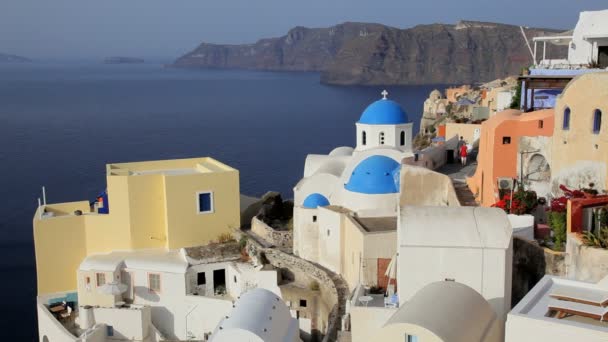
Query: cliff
[
  {"x": 5, "y": 58},
  {"x": 360, "y": 53}
]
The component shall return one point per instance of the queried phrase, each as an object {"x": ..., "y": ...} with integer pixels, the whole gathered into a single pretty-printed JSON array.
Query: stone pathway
[{"x": 458, "y": 174}]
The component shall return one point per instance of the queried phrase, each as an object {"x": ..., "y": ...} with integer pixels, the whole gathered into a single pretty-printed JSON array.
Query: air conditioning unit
[{"x": 506, "y": 183}]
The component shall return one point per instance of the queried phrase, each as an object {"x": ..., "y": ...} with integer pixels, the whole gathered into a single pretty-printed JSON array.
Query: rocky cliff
[{"x": 360, "y": 53}]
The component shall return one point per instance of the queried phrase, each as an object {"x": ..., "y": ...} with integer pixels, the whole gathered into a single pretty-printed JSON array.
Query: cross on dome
[{"x": 384, "y": 94}]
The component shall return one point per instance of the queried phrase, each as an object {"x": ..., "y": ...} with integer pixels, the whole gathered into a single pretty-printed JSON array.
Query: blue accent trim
[
  {"x": 375, "y": 175},
  {"x": 383, "y": 112},
  {"x": 315, "y": 200}
]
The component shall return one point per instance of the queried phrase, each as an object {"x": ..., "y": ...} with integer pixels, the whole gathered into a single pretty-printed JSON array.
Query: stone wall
[
  {"x": 585, "y": 263},
  {"x": 332, "y": 288},
  {"x": 530, "y": 263},
  {"x": 279, "y": 238}
]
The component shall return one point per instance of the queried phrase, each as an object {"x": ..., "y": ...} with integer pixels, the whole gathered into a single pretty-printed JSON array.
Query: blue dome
[
  {"x": 375, "y": 175},
  {"x": 383, "y": 112},
  {"x": 315, "y": 200}
]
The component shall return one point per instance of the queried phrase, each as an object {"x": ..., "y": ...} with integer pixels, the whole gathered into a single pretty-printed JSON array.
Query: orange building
[
  {"x": 453, "y": 93},
  {"x": 498, "y": 148}
]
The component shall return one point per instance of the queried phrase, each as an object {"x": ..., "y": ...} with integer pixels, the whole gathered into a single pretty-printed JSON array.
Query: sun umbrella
[
  {"x": 113, "y": 288},
  {"x": 391, "y": 270}
]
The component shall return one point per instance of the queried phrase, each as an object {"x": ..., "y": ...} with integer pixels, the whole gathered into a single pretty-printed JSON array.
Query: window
[
  {"x": 381, "y": 138},
  {"x": 314, "y": 218},
  {"x": 302, "y": 303},
  {"x": 540, "y": 123},
  {"x": 363, "y": 138},
  {"x": 566, "y": 121},
  {"x": 154, "y": 282},
  {"x": 100, "y": 278},
  {"x": 402, "y": 138},
  {"x": 506, "y": 140},
  {"x": 205, "y": 202},
  {"x": 201, "y": 279},
  {"x": 597, "y": 121},
  {"x": 235, "y": 279},
  {"x": 411, "y": 338},
  {"x": 328, "y": 232}
]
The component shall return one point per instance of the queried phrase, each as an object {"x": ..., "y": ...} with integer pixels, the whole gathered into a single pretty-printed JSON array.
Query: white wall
[
  {"x": 526, "y": 329},
  {"x": 306, "y": 233},
  {"x": 129, "y": 324},
  {"x": 330, "y": 237},
  {"x": 581, "y": 50},
  {"x": 392, "y": 136}
]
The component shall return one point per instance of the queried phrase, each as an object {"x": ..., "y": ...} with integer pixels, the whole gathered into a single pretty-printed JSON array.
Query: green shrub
[{"x": 557, "y": 222}]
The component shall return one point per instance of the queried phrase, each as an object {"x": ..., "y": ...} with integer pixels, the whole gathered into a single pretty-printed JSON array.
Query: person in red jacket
[{"x": 463, "y": 154}]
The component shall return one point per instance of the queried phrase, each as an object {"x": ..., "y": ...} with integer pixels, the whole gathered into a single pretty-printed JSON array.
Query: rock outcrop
[
  {"x": 361, "y": 53},
  {"x": 5, "y": 58}
]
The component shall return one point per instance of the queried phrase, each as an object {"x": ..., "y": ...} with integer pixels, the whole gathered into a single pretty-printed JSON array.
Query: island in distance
[
  {"x": 123, "y": 60},
  {"x": 6, "y": 58}
]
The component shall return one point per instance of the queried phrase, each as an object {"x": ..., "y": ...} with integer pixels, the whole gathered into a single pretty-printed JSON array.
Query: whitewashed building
[
  {"x": 364, "y": 179},
  {"x": 561, "y": 310},
  {"x": 258, "y": 316}
]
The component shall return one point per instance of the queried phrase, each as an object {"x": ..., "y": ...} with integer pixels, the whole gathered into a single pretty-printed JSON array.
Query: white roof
[
  {"x": 451, "y": 311},
  {"x": 473, "y": 227},
  {"x": 258, "y": 312},
  {"x": 160, "y": 260}
]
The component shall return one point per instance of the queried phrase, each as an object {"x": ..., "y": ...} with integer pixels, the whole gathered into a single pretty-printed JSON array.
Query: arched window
[
  {"x": 597, "y": 121},
  {"x": 381, "y": 138},
  {"x": 402, "y": 138},
  {"x": 566, "y": 122},
  {"x": 363, "y": 138}
]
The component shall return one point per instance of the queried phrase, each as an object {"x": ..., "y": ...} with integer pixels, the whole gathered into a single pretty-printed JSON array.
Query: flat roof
[
  {"x": 160, "y": 260},
  {"x": 377, "y": 224},
  {"x": 535, "y": 305},
  {"x": 169, "y": 167}
]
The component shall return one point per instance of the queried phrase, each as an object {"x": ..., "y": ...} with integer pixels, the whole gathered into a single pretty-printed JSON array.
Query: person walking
[{"x": 463, "y": 153}]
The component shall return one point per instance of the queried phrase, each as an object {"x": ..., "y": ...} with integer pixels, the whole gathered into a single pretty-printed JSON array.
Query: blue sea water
[{"x": 60, "y": 125}]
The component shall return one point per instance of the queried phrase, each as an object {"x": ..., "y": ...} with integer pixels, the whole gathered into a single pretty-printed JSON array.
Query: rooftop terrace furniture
[
  {"x": 580, "y": 295},
  {"x": 564, "y": 308}
]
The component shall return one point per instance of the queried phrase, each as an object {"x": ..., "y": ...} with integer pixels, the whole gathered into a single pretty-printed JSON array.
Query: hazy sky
[{"x": 93, "y": 29}]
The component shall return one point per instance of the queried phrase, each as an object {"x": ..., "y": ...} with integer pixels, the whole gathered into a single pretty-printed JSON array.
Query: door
[{"x": 602, "y": 56}]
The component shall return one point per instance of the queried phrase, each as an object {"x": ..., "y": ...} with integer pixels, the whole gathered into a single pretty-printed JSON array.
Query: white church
[{"x": 364, "y": 179}]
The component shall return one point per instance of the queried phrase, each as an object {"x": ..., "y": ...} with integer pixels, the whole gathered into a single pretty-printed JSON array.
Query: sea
[{"x": 60, "y": 124}]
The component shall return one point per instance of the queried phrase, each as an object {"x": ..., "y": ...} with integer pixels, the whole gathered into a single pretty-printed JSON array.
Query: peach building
[{"x": 498, "y": 148}]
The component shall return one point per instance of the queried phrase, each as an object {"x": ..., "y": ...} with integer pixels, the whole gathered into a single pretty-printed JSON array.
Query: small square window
[
  {"x": 154, "y": 282},
  {"x": 506, "y": 140},
  {"x": 100, "y": 278},
  {"x": 205, "y": 202},
  {"x": 302, "y": 303},
  {"x": 314, "y": 218}
]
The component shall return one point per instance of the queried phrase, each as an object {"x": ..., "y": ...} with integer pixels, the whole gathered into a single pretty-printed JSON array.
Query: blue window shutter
[
  {"x": 597, "y": 121},
  {"x": 204, "y": 202},
  {"x": 110, "y": 330},
  {"x": 566, "y": 123}
]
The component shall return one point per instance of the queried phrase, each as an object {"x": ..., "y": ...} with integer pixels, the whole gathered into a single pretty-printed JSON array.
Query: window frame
[
  {"x": 566, "y": 119},
  {"x": 506, "y": 140},
  {"x": 97, "y": 274},
  {"x": 597, "y": 121},
  {"x": 150, "y": 289},
  {"x": 402, "y": 138},
  {"x": 198, "y": 202},
  {"x": 364, "y": 138}
]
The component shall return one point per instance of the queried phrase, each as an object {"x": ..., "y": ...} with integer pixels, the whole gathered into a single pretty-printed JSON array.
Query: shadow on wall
[
  {"x": 164, "y": 321},
  {"x": 529, "y": 267},
  {"x": 145, "y": 294}
]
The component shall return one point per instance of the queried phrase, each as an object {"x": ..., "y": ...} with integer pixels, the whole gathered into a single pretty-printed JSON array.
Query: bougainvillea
[{"x": 523, "y": 202}]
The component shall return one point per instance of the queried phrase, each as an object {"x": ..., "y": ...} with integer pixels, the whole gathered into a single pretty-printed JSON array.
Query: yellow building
[
  {"x": 579, "y": 151},
  {"x": 156, "y": 204}
]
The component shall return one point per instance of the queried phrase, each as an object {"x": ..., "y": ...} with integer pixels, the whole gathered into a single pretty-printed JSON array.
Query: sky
[{"x": 166, "y": 29}]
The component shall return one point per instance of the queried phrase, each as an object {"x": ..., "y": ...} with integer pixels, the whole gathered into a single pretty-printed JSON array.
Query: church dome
[
  {"x": 315, "y": 200},
  {"x": 375, "y": 175},
  {"x": 383, "y": 112}
]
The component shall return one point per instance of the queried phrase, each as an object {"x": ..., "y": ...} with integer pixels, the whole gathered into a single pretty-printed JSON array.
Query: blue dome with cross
[
  {"x": 315, "y": 200},
  {"x": 375, "y": 175},
  {"x": 383, "y": 112}
]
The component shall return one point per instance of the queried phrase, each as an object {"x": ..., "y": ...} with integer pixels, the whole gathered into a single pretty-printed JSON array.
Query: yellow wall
[
  {"x": 467, "y": 131},
  {"x": 578, "y": 156},
  {"x": 60, "y": 248},
  {"x": 152, "y": 210},
  {"x": 185, "y": 226}
]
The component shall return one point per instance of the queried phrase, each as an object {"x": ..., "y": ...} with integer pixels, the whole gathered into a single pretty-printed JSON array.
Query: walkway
[{"x": 458, "y": 174}]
